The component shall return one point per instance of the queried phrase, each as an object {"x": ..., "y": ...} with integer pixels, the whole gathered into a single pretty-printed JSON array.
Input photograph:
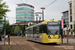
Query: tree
[
  {"x": 21, "y": 27},
  {"x": 74, "y": 29},
  {"x": 8, "y": 29},
  {"x": 3, "y": 10},
  {"x": 12, "y": 31},
  {"x": 17, "y": 29}
]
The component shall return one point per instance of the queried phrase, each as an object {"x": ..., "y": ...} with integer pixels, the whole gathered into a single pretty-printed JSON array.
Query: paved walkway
[
  {"x": 69, "y": 40},
  {"x": 2, "y": 47}
]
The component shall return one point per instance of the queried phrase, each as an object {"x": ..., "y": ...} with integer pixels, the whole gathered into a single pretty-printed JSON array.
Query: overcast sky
[{"x": 53, "y": 11}]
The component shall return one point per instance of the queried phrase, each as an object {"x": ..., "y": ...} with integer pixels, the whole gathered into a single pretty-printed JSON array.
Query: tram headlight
[
  {"x": 49, "y": 37},
  {"x": 58, "y": 37}
]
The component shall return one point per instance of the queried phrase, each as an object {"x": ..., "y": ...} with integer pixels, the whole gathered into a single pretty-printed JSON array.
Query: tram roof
[
  {"x": 45, "y": 22},
  {"x": 35, "y": 25},
  {"x": 42, "y": 23}
]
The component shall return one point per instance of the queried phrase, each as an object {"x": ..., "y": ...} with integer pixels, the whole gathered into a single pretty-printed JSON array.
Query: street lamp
[
  {"x": 67, "y": 28},
  {"x": 39, "y": 18},
  {"x": 37, "y": 15},
  {"x": 62, "y": 26},
  {"x": 42, "y": 13},
  {"x": 4, "y": 28}
]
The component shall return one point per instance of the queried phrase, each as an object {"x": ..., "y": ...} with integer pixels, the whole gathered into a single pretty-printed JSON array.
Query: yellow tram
[{"x": 45, "y": 32}]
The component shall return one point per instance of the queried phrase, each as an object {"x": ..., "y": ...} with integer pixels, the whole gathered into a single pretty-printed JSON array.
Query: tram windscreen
[{"x": 54, "y": 29}]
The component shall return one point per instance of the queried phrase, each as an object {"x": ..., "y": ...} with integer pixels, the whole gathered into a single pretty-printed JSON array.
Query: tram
[{"x": 45, "y": 32}]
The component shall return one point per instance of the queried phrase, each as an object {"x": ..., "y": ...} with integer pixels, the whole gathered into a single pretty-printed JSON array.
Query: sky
[{"x": 52, "y": 11}]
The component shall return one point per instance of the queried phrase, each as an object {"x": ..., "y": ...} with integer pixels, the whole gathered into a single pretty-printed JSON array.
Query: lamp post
[
  {"x": 67, "y": 28},
  {"x": 42, "y": 13},
  {"x": 37, "y": 15},
  {"x": 4, "y": 29},
  {"x": 36, "y": 19},
  {"x": 39, "y": 18},
  {"x": 62, "y": 26}
]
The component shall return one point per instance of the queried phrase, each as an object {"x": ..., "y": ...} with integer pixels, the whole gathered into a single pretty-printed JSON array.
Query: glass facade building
[{"x": 24, "y": 12}]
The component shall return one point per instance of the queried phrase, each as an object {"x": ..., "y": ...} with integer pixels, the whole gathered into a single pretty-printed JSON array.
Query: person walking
[{"x": 6, "y": 37}]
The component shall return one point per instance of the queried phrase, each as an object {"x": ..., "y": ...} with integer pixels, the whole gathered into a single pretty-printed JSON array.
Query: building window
[
  {"x": 70, "y": 5},
  {"x": 70, "y": 18},
  {"x": 64, "y": 26},
  {"x": 68, "y": 25},
  {"x": 64, "y": 14},
  {"x": 67, "y": 14},
  {"x": 70, "y": 11},
  {"x": 71, "y": 26}
]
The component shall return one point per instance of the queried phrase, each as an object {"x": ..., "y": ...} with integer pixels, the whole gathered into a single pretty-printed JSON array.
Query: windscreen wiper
[
  {"x": 56, "y": 32},
  {"x": 50, "y": 32}
]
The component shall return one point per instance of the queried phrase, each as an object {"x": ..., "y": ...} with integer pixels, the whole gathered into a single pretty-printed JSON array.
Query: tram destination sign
[{"x": 53, "y": 23}]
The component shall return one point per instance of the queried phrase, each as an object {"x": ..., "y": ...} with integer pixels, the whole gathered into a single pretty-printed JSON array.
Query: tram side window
[
  {"x": 31, "y": 31},
  {"x": 40, "y": 29},
  {"x": 37, "y": 30},
  {"x": 34, "y": 30},
  {"x": 43, "y": 29},
  {"x": 28, "y": 31}
]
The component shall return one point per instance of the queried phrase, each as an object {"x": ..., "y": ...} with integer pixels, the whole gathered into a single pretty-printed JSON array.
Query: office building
[
  {"x": 24, "y": 12},
  {"x": 71, "y": 19}
]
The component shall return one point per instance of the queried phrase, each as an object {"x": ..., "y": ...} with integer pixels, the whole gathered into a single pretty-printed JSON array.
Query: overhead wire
[
  {"x": 46, "y": 6},
  {"x": 50, "y": 4},
  {"x": 22, "y": 1},
  {"x": 26, "y": 1}
]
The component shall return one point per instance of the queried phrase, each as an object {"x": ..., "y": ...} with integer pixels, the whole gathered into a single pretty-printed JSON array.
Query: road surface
[{"x": 20, "y": 43}]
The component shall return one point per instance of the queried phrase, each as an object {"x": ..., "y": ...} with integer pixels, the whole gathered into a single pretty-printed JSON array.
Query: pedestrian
[
  {"x": 0, "y": 38},
  {"x": 8, "y": 39}
]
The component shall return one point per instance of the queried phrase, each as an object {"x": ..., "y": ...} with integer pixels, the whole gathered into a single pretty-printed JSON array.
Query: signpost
[{"x": 62, "y": 26}]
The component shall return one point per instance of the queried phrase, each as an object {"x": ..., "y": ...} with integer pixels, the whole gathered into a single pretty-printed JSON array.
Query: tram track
[
  {"x": 32, "y": 46},
  {"x": 19, "y": 46},
  {"x": 23, "y": 45}
]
